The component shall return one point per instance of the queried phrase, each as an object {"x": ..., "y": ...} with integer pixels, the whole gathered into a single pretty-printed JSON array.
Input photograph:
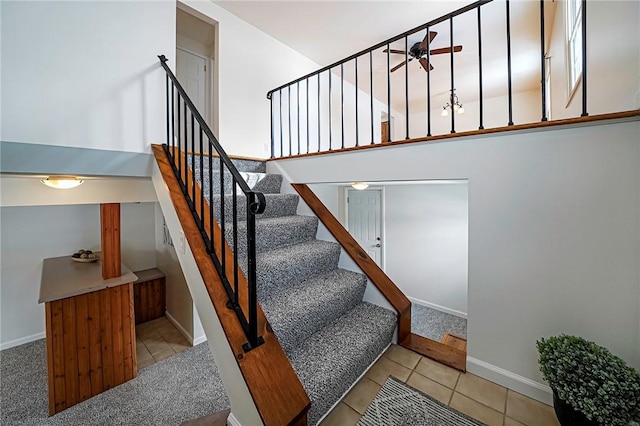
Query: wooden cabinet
[
  {"x": 91, "y": 343},
  {"x": 149, "y": 295}
]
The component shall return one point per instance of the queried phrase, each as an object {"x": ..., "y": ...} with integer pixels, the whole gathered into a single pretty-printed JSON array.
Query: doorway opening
[
  {"x": 195, "y": 62},
  {"x": 420, "y": 231}
]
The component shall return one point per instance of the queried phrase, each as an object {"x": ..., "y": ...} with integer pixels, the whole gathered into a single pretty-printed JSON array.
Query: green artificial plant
[{"x": 591, "y": 379}]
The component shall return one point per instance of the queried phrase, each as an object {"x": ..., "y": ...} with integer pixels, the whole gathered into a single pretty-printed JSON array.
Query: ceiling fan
[{"x": 419, "y": 51}]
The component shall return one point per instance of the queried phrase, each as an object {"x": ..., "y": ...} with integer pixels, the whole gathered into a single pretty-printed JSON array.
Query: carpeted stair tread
[
  {"x": 331, "y": 360},
  {"x": 296, "y": 314},
  {"x": 281, "y": 268},
  {"x": 273, "y": 232},
  {"x": 276, "y": 205}
]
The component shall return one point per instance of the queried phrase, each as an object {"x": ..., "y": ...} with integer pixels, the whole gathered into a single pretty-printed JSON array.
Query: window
[{"x": 574, "y": 42}]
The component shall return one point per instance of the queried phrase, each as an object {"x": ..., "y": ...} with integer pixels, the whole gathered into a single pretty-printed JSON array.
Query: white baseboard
[
  {"x": 232, "y": 421},
  {"x": 21, "y": 341},
  {"x": 439, "y": 308},
  {"x": 199, "y": 340},
  {"x": 180, "y": 328},
  {"x": 515, "y": 382}
]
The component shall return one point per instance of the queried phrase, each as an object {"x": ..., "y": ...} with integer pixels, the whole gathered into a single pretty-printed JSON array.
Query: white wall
[
  {"x": 85, "y": 74},
  {"x": 554, "y": 235},
  {"x": 249, "y": 64},
  {"x": 426, "y": 240},
  {"x": 31, "y": 234},
  {"x": 179, "y": 302},
  {"x": 613, "y": 60}
]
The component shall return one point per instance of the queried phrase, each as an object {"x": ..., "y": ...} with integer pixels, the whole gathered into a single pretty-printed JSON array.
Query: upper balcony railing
[{"x": 368, "y": 98}]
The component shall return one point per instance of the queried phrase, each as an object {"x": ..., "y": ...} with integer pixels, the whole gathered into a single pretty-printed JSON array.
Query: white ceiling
[{"x": 328, "y": 31}]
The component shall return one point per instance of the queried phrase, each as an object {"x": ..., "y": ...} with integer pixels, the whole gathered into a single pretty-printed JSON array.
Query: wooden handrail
[
  {"x": 378, "y": 278},
  {"x": 275, "y": 387}
]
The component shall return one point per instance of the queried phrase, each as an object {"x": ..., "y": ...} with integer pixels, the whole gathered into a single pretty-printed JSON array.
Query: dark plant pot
[{"x": 568, "y": 416}]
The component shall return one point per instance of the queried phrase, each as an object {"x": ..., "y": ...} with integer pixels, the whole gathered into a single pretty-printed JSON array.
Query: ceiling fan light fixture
[
  {"x": 445, "y": 113},
  {"x": 360, "y": 185},
  {"x": 453, "y": 104},
  {"x": 460, "y": 110}
]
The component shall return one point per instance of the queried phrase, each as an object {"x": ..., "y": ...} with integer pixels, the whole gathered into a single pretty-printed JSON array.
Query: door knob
[{"x": 377, "y": 245}]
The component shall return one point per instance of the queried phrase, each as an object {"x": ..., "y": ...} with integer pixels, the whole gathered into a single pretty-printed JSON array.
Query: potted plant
[{"x": 591, "y": 386}]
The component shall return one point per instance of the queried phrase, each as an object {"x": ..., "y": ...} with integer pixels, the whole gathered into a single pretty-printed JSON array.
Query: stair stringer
[{"x": 243, "y": 408}]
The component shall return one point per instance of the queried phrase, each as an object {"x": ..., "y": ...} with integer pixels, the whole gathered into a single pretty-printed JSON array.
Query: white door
[
  {"x": 190, "y": 71},
  {"x": 364, "y": 220}
]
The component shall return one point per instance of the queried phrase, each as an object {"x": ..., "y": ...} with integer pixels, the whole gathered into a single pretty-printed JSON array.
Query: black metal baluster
[
  {"x": 166, "y": 86},
  {"x": 179, "y": 142},
  {"x": 201, "y": 180},
  {"x": 543, "y": 71},
  {"x": 388, "y": 95},
  {"x": 273, "y": 148},
  {"x": 429, "y": 84},
  {"x": 211, "y": 247},
  {"x": 509, "y": 64},
  {"x": 584, "y": 58},
  {"x": 254, "y": 339},
  {"x": 235, "y": 240},
  {"x": 406, "y": 85},
  {"x": 223, "y": 257},
  {"x": 342, "y": 103},
  {"x": 371, "y": 91},
  {"x": 186, "y": 150},
  {"x": 289, "y": 117},
  {"x": 193, "y": 161},
  {"x": 280, "y": 116},
  {"x": 330, "y": 123},
  {"x": 451, "y": 99},
  {"x": 298, "y": 114},
  {"x": 318, "y": 112},
  {"x": 357, "y": 126},
  {"x": 308, "y": 140},
  {"x": 173, "y": 125},
  {"x": 480, "y": 97}
]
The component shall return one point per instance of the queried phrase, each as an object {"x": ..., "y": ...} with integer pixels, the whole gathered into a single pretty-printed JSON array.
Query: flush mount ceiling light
[
  {"x": 360, "y": 185},
  {"x": 62, "y": 182},
  {"x": 454, "y": 104}
]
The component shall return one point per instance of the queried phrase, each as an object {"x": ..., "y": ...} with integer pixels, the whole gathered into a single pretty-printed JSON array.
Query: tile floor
[
  {"x": 476, "y": 397},
  {"x": 157, "y": 340}
]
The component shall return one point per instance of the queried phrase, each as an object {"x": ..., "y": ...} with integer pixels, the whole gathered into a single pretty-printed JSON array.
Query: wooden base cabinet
[{"x": 91, "y": 344}]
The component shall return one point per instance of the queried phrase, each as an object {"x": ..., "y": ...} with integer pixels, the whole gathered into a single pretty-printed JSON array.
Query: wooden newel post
[{"x": 110, "y": 240}]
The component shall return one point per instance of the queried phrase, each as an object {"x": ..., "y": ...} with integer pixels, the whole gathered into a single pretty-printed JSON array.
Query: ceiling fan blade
[
  {"x": 445, "y": 50},
  {"x": 431, "y": 36},
  {"x": 400, "y": 65},
  {"x": 425, "y": 64},
  {"x": 402, "y": 52}
]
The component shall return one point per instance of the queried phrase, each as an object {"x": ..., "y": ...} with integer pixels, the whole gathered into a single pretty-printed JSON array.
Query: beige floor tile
[
  {"x": 438, "y": 372},
  {"x": 508, "y": 421},
  {"x": 403, "y": 356},
  {"x": 179, "y": 347},
  {"x": 156, "y": 345},
  {"x": 476, "y": 410},
  {"x": 142, "y": 363},
  {"x": 430, "y": 387},
  {"x": 163, "y": 354},
  {"x": 144, "y": 333},
  {"x": 483, "y": 391},
  {"x": 342, "y": 415},
  {"x": 529, "y": 411},
  {"x": 361, "y": 395},
  {"x": 174, "y": 337},
  {"x": 142, "y": 352},
  {"x": 384, "y": 367}
]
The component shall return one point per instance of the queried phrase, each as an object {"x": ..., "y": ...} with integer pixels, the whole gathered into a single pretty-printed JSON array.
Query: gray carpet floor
[
  {"x": 433, "y": 324},
  {"x": 180, "y": 388}
]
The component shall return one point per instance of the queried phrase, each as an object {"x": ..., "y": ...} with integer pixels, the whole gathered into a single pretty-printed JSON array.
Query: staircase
[{"x": 316, "y": 309}]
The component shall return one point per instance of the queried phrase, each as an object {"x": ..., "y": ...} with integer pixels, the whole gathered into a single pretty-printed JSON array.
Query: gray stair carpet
[{"x": 315, "y": 308}]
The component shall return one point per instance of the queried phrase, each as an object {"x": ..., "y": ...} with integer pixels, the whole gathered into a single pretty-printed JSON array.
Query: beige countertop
[{"x": 62, "y": 278}]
